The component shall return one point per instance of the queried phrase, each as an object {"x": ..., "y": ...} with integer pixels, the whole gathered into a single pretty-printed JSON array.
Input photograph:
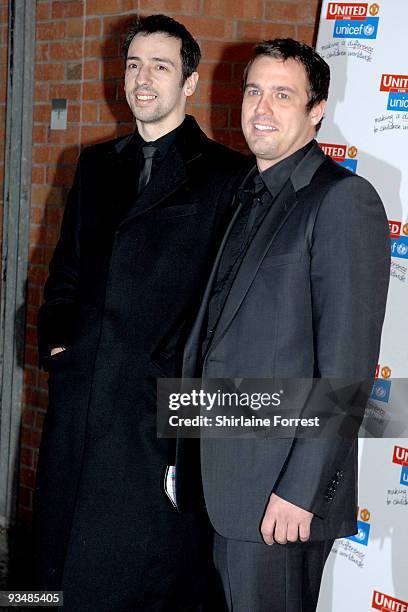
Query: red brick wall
[{"x": 78, "y": 46}]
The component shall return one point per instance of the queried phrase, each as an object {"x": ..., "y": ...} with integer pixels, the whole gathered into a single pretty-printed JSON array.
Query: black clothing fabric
[{"x": 125, "y": 282}]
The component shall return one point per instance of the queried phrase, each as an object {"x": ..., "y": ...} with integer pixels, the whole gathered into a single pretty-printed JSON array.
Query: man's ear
[
  {"x": 317, "y": 112},
  {"x": 190, "y": 84}
]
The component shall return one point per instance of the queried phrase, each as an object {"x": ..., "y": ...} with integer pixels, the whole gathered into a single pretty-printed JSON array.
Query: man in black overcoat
[
  {"x": 137, "y": 241},
  {"x": 297, "y": 291}
]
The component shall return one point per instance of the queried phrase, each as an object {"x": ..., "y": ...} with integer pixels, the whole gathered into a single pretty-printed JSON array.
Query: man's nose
[
  {"x": 143, "y": 76},
  {"x": 265, "y": 105}
]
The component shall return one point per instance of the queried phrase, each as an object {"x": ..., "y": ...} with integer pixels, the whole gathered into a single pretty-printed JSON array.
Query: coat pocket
[
  {"x": 184, "y": 210},
  {"x": 281, "y": 259}
]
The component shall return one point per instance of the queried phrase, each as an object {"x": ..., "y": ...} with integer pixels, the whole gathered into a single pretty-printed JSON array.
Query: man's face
[
  {"x": 275, "y": 121},
  {"x": 153, "y": 83}
]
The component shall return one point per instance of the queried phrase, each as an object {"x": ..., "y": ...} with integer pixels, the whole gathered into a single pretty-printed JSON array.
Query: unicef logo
[
  {"x": 402, "y": 249},
  {"x": 360, "y": 535},
  {"x": 369, "y": 29},
  {"x": 380, "y": 392}
]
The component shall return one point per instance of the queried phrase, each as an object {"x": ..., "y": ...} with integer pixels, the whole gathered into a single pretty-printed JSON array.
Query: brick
[
  {"x": 32, "y": 312},
  {"x": 50, "y": 31},
  {"x": 70, "y": 156},
  {"x": 40, "y": 134},
  {"x": 38, "y": 175},
  {"x": 75, "y": 28},
  {"x": 39, "y": 417},
  {"x": 308, "y": 12},
  {"x": 49, "y": 72},
  {"x": 40, "y": 155},
  {"x": 60, "y": 175},
  {"x": 108, "y": 47},
  {"x": 26, "y": 455},
  {"x": 28, "y": 417},
  {"x": 30, "y": 375},
  {"x": 92, "y": 69},
  {"x": 205, "y": 27},
  {"x": 215, "y": 71},
  {"x": 74, "y": 72},
  {"x": 46, "y": 194},
  {"x": 221, "y": 94},
  {"x": 112, "y": 7},
  {"x": 42, "y": 92},
  {"x": 234, "y": 9},
  {"x": 31, "y": 355},
  {"x": 306, "y": 34},
  {"x": 66, "y": 50},
  {"x": 93, "y": 27},
  {"x": 230, "y": 138},
  {"x": 238, "y": 73},
  {"x": 214, "y": 117},
  {"x": 116, "y": 111},
  {"x": 113, "y": 69},
  {"x": 43, "y": 11},
  {"x": 27, "y": 477},
  {"x": 99, "y": 91},
  {"x": 38, "y": 275},
  {"x": 42, "y": 52},
  {"x": 226, "y": 52},
  {"x": 67, "y": 9},
  {"x": 286, "y": 12},
  {"x": 70, "y": 92},
  {"x": 97, "y": 133},
  {"x": 42, "y": 113},
  {"x": 248, "y": 30},
  {"x": 167, "y": 6}
]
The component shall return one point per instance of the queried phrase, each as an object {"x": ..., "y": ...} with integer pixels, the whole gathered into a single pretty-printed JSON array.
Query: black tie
[{"x": 148, "y": 152}]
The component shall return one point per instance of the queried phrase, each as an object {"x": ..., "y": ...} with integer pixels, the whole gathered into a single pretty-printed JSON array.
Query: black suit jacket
[
  {"x": 125, "y": 281},
  {"x": 308, "y": 301}
]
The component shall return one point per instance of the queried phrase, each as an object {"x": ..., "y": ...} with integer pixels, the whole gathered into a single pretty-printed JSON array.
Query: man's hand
[
  {"x": 284, "y": 522},
  {"x": 57, "y": 349}
]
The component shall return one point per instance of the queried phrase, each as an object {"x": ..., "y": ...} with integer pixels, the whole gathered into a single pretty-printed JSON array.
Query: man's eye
[
  {"x": 253, "y": 92},
  {"x": 161, "y": 67},
  {"x": 132, "y": 66},
  {"x": 282, "y": 95}
]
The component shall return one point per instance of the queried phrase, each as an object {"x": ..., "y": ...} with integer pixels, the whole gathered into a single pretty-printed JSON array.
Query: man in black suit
[
  {"x": 137, "y": 239},
  {"x": 297, "y": 291}
]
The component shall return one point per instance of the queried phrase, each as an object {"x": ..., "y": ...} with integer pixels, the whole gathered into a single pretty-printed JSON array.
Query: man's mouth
[
  {"x": 262, "y": 127},
  {"x": 145, "y": 97}
]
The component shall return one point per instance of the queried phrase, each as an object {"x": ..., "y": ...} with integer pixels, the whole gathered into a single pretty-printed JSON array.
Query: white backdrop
[{"x": 366, "y": 129}]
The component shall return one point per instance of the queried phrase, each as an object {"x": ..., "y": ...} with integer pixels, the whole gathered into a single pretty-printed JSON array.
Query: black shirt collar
[
  {"x": 163, "y": 143},
  {"x": 276, "y": 176}
]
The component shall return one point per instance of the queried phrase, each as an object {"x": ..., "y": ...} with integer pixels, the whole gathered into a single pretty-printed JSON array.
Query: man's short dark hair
[
  {"x": 317, "y": 70},
  {"x": 190, "y": 51}
]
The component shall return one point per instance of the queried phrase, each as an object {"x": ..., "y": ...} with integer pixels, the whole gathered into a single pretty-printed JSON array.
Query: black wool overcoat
[{"x": 125, "y": 281}]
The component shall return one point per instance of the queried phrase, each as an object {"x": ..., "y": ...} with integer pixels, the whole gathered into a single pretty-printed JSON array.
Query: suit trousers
[{"x": 278, "y": 578}]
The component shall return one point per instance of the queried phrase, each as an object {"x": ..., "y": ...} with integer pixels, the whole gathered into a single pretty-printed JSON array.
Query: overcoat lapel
[
  {"x": 166, "y": 181},
  {"x": 170, "y": 176},
  {"x": 191, "y": 349}
]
